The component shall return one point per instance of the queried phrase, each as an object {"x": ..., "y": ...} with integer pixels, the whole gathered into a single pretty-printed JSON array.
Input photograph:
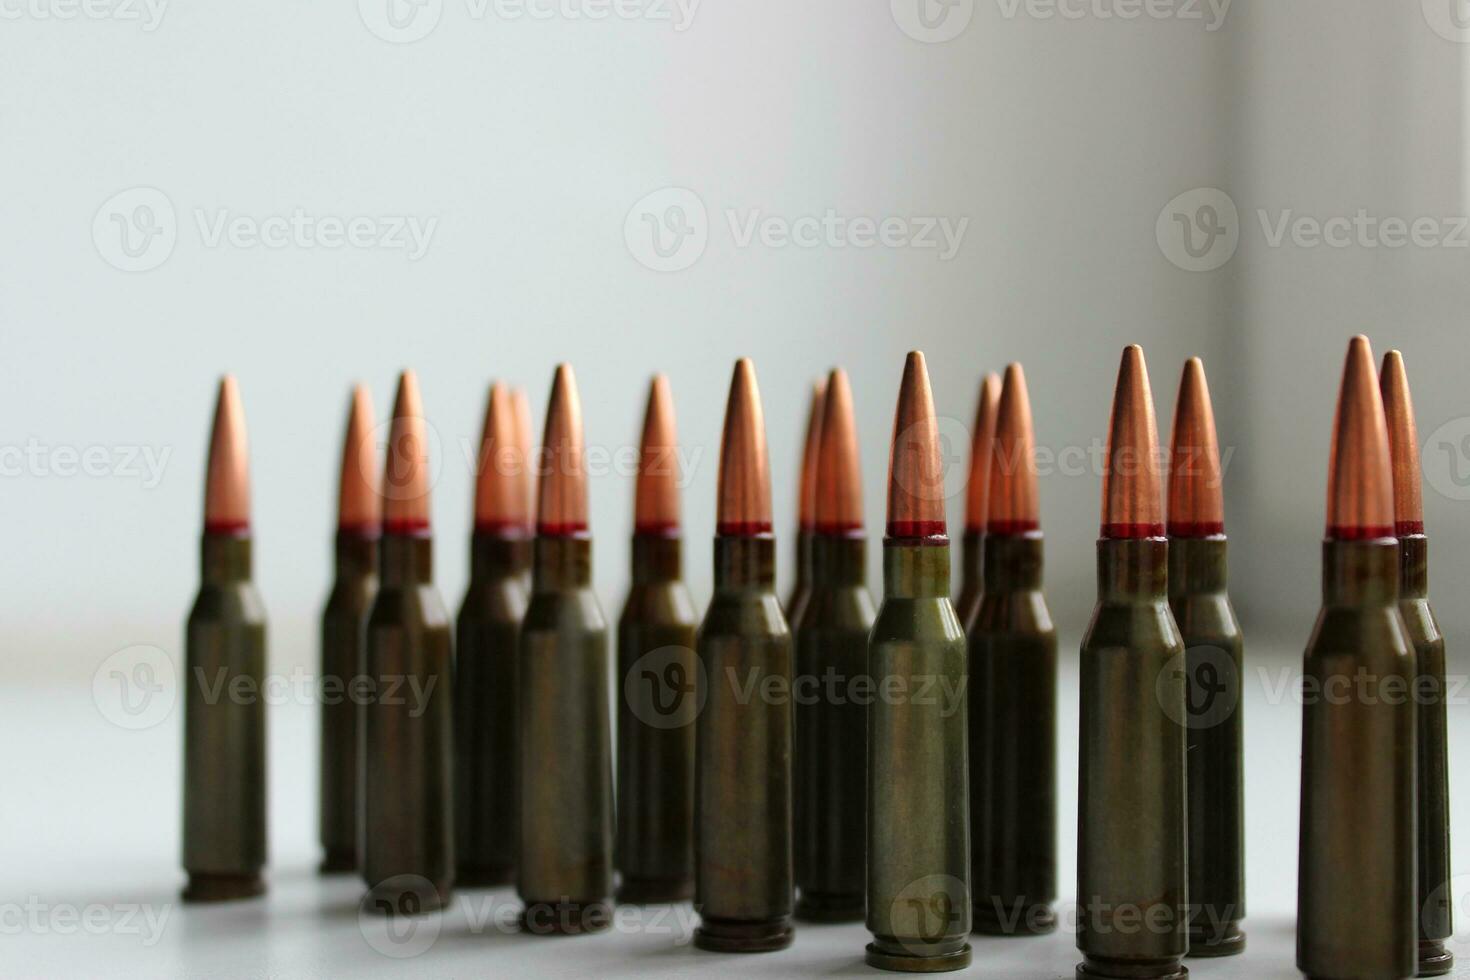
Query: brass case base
[
  {"x": 887, "y": 959},
  {"x": 1229, "y": 942},
  {"x": 737, "y": 936},
  {"x": 205, "y": 887}
]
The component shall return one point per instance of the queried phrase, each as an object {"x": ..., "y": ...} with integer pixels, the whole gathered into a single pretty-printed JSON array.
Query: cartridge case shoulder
[
  {"x": 661, "y": 603},
  {"x": 228, "y": 603}
]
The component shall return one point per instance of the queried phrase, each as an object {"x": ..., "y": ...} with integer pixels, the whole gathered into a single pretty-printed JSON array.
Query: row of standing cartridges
[{"x": 738, "y": 782}]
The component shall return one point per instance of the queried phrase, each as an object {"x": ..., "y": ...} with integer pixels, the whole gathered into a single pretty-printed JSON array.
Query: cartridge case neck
[
  {"x": 559, "y": 564},
  {"x": 224, "y": 558},
  {"x": 803, "y": 569},
  {"x": 745, "y": 562},
  {"x": 1013, "y": 562},
  {"x": 1197, "y": 566},
  {"x": 1132, "y": 569},
  {"x": 972, "y": 555},
  {"x": 356, "y": 554},
  {"x": 657, "y": 558},
  {"x": 1357, "y": 573},
  {"x": 1413, "y": 567},
  {"x": 494, "y": 555},
  {"x": 839, "y": 561},
  {"x": 912, "y": 570},
  {"x": 406, "y": 560}
]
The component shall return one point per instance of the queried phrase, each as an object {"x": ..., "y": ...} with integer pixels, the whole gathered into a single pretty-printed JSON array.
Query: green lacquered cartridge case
[
  {"x": 1013, "y": 743},
  {"x": 742, "y": 835},
  {"x": 224, "y": 727},
  {"x": 830, "y": 765},
  {"x": 344, "y": 623},
  {"x": 801, "y": 585},
  {"x": 972, "y": 576},
  {"x": 406, "y": 833},
  {"x": 918, "y": 768},
  {"x": 657, "y": 708},
  {"x": 487, "y": 811},
  {"x": 1356, "y": 900},
  {"x": 1436, "y": 919},
  {"x": 564, "y": 873},
  {"x": 1132, "y": 879},
  {"x": 1213, "y": 670}
]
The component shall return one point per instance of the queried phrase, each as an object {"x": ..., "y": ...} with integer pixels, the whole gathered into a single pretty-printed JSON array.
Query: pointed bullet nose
[
  {"x": 656, "y": 494},
  {"x": 977, "y": 490},
  {"x": 359, "y": 502},
  {"x": 839, "y": 478},
  {"x": 1403, "y": 447},
  {"x": 406, "y": 472},
  {"x": 502, "y": 491},
  {"x": 1196, "y": 491},
  {"x": 227, "y": 477},
  {"x": 1359, "y": 478},
  {"x": 745, "y": 478},
  {"x": 562, "y": 508},
  {"x": 1132, "y": 505},
  {"x": 806, "y": 499},
  {"x": 526, "y": 443},
  {"x": 915, "y": 461},
  {"x": 1014, "y": 506}
]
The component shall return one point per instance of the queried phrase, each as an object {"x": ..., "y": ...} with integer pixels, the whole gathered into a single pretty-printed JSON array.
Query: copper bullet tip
[
  {"x": 562, "y": 508},
  {"x": 502, "y": 490},
  {"x": 1132, "y": 504},
  {"x": 1403, "y": 447},
  {"x": 839, "y": 477},
  {"x": 656, "y": 494},
  {"x": 406, "y": 473},
  {"x": 1196, "y": 492},
  {"x": 745, "y": 477},
  {"x": 977, "y": 489},
  {"x": 359, "y": 502},
  {"x": 806, "y": 497},
  {"x": 1014, "y": 507},
  {"x": 915, "y": 462},
  {"x": 227, "y": 477},
  {"x": 526, "y": 443},
  {"x": 1359, "y": 476}
]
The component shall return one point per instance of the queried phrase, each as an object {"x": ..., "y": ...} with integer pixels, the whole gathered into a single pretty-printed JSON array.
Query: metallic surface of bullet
[
  {"x": 1436, "y": 919},
  {"x": 224, "y": 847},
  {"x": 1132, "y": 880},
  {"x": 977, "y": 496},
  {"x": 806, "y": 503},
  {"x": 1356, "y": 902},
  {"x": 657, "y": 693},
  {"x": 354, "y": 584},
  {"x": 565, "y": 865},
  {"x": 742, "y": 845},
  {"x": 830, "y": 775},
  {"x": 918, "y": 772},
  {"x": 1013, "y": 692},
  {"x": 405, "y": 831},
  {"x": 487, "y": 635},
  {"x": 1213, "y": 670}
]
